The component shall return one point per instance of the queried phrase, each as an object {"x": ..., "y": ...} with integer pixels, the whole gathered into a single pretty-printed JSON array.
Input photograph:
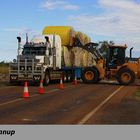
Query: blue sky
[{"x": 116, "y": 20}]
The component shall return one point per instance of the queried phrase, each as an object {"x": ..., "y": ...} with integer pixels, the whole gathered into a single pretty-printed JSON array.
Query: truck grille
[
  {"x": 26, "y": 69},
  {"x": 22, "y": 68}
]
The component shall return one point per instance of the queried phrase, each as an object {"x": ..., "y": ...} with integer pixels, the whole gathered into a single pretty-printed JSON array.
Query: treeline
[{"x": 4, "y": 63}]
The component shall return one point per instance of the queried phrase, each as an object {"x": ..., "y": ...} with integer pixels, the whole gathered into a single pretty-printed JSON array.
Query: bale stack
[
  {"x": 72, "y": 55},
  {"x": 82, "y": 58}
]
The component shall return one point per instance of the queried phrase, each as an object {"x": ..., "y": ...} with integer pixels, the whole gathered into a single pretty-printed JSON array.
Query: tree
[
  {"x": 104, "y": 48},
  {"x": 3, "y": 63}
]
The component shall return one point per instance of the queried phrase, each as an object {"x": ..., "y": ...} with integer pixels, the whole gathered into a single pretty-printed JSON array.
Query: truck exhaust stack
[{"x": 19, "y": 44}]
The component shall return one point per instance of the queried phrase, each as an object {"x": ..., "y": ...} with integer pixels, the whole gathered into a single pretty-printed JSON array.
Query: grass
[
  {"x": 4, "y": 84},
  {"x": 137, "y": 94},
  {"x": 4, "y": 70}
]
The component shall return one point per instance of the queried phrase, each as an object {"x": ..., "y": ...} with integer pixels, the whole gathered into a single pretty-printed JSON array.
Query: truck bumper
[{"x": 29, "y": 78}]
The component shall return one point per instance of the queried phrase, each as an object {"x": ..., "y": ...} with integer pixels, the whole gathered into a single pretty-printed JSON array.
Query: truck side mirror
[
  {"x": 47, "y": 38},
  {"x": 19, "y": 39}
]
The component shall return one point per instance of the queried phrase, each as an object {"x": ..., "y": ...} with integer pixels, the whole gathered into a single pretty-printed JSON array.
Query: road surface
[{"x": 81, "y": 104}]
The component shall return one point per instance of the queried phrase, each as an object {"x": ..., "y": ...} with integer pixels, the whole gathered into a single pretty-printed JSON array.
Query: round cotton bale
[
  {"x": 77, "y": 56},
  {"x": 79, "y": 35},
  {"x": 66, "y": 33},
  {"x": 85, "y": 56},
  {"x": 67, "y": 54},
  {"x": 86, "y": 39}
]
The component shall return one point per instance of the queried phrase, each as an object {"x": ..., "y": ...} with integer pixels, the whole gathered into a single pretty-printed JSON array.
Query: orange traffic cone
[
  {"x": 75, "y": 82},
  {"x": 25, "y": 93},
  {"x": 61, "y": 85},
  {"x": 41, "y": 89}
]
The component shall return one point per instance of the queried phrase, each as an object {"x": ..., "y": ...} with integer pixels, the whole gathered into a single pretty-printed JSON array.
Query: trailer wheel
[
  {"x": 125, "y": 76},
  {"x": 69, "y": 77},
  {"x": 64, "y": 77},
  {"x": 90, "y": 75}
]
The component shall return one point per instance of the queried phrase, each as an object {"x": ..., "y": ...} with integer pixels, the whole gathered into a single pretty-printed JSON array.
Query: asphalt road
[{"x": 81, "y": 104}]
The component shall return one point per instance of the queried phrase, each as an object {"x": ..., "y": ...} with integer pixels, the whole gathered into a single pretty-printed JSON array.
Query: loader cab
[{"x": 116, "y": 56}]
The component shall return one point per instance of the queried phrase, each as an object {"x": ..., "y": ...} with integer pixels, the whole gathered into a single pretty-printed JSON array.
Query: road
[{"x": 81, "y": 104}]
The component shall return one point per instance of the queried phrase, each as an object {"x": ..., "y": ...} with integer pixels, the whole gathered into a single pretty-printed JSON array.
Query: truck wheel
[
  {"x": 69, "y": 77},
  {"x": 47, "y": 80},
  {"x": 64, "y": 77},
  {"x": 125, "y": 76},
  {"x": 90, "y": 75}
]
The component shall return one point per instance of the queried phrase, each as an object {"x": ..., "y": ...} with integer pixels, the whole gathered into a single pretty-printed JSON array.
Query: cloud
[
  {"x": 127, "y": 5},
  {"x": 119, "y": 21},
  {"x": 22, "y": 31},
  {"x": 58, "y": 4}
]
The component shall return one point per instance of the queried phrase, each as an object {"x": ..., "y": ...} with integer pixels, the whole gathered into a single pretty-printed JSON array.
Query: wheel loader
[{"x": 117, "y": 66}]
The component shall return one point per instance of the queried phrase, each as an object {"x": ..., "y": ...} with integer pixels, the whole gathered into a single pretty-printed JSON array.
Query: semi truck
[{"x": 46, "y": 58}]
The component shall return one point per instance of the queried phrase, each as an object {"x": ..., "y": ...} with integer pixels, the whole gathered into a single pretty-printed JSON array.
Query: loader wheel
[
  {"x": 125, "y": 76},
  {"x": 90, "y": 75}
]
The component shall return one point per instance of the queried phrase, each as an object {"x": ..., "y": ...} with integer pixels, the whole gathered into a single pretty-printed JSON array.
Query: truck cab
[{"x": 34, "y": 58}]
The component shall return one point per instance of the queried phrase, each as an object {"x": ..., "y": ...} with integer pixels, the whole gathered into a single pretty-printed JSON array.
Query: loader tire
[
  {"x": 90, "y": 75},
  {"x": 125, "y": 76}
]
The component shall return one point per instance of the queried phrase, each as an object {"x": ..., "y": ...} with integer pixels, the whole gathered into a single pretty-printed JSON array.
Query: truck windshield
[{"x": 34, "y": 50}]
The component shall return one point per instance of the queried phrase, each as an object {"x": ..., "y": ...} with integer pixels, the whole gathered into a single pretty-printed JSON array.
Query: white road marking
[
  {"x": 7, "y": 87},
  {"x": 90, "y": 114},
  {"x": 34, "y": 95},
  {"x": 20, "y": 99},
  {"x": 53, "y": 90},
  {"x": 25, "y": 119}
]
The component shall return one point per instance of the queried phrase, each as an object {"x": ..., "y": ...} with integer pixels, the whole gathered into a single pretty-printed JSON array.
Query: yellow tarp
[{"x": 66, "y": 33}]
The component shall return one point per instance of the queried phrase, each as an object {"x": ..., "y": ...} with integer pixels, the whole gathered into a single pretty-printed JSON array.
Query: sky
[{"x": 102, "y": 20}]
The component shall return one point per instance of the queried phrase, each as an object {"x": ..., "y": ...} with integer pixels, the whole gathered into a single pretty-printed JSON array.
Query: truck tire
[
  {"x": 125, "y": 76},
  {"x": 69, "y": 77},
  {"x": 64, "y": 78},
  {"x": 47, "y": 79},
  {"x": 90, "y": 75}
]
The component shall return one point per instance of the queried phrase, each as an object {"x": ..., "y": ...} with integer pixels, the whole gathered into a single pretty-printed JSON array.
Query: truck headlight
[
  {"x": 29, "y": 68},
  {"x": 22, "y": 68}
]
